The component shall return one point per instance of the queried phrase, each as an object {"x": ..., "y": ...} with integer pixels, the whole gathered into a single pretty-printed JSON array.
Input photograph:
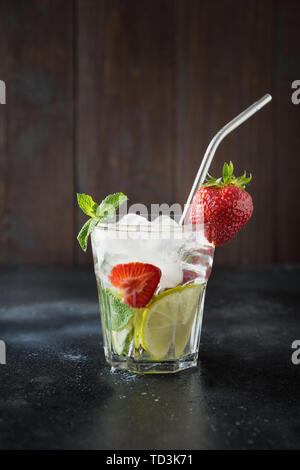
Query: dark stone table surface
[{"x": 56, "y": 392}]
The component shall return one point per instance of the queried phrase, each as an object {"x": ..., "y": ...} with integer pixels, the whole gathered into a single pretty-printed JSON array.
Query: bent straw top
[{"x": 215, "y": 142}]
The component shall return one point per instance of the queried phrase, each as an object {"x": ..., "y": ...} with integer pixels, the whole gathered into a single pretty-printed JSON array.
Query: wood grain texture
[
  {"x": 110, "y": 95},
  {"x": 36, "y": 181},
  {"x": 287, "y": 134},
  {"x": 126, "y": 117},
  {"x": 225, "y": 64}
]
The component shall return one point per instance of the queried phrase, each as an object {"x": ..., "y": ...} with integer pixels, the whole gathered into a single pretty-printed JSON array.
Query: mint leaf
[
  {"x": 86, "y": 231},
  {"x": 120, "y": 313},
  {"x": 110, "y": 204},
  {"x": 107, "y": 207},
  {"x": 126, "y": 345},
  {"x": 103, "y": 303},
  {"x": 87, "y": 204}
]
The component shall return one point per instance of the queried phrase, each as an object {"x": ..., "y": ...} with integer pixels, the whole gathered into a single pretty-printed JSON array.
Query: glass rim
[{"x": 148, "y": 228}]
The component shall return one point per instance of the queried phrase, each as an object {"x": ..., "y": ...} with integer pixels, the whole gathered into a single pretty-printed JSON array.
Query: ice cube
[
  {"x": 171, "y": 270},
  {"x": 164, "y": 220},
  {"x": 133, "y": 219}
]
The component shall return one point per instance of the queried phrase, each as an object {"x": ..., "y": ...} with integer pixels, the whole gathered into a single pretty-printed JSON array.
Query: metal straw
[{"x": 211, "y": 149}]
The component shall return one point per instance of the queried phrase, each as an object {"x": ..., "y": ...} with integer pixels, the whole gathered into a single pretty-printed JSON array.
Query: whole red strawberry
[{"x": 222, "y": 204}]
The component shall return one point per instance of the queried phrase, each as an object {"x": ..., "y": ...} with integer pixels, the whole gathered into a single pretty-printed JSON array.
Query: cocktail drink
[
  {"x": 151, "y": 279},
  {"x": 152, "y": 274}
]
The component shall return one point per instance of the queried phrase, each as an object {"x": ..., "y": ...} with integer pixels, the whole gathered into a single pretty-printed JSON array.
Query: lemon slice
[{"x": 168, "y": 320}]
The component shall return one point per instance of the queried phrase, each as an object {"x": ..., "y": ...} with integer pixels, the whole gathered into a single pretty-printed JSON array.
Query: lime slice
[
  {"x": 138, "y": 319},
  {"x": 122, "y": 339},
  {"x": 168, "y": 320}
]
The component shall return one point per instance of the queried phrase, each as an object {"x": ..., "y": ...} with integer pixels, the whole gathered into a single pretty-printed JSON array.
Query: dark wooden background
[{"x": 109, "y": 95}]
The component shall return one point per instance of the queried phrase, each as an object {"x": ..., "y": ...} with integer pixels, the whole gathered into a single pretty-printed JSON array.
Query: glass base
[{"x": 154, "y": 367}]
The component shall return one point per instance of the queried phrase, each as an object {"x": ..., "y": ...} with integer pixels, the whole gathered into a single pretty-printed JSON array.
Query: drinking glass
[{"x": 164, "y": 335}]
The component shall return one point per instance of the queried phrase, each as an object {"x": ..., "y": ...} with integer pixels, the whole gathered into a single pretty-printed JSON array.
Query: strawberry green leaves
[
  {"x": 106, "y": 209},
  {"x": 243, "y": 180},
  {"x": 227, "y": 172},
  {"x": 228, "y": 178}
]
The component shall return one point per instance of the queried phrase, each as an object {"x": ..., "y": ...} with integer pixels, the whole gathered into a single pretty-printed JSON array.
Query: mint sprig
[
  {"x": 106, "y": 209},
  {"x": 110, "y": 204},
  {"x": 86, "y": 230},
  {"x": 228, "y": 178},
  {"x": 87, "y": 204},
  {"x": 120, "y": 313}
]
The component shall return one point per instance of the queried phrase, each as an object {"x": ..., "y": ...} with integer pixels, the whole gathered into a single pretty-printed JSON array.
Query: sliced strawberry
[
  {"x": 188, "y": 276},
  {"x": 137, "y": 282}
]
